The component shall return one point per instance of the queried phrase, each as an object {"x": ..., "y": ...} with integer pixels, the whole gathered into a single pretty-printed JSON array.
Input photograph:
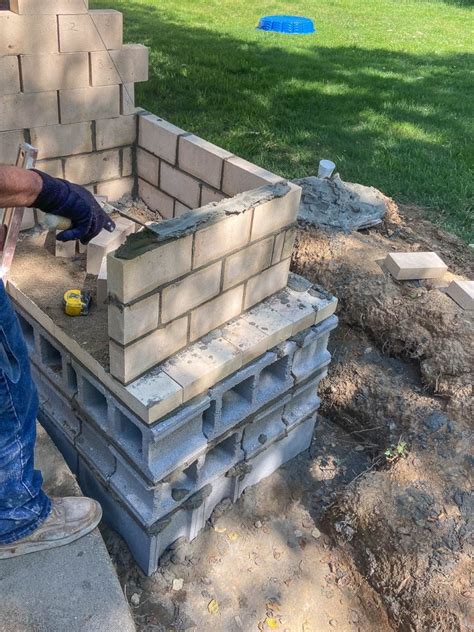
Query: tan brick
[
  {"x": 266, "y": 283},
  {"x": 88, "y": 168},
  {"x": 101, "y": 287},
  {"x": 88, "y": 104},
  {"x": 216, "y": 312},
  {"x": 127, "y": 323},
  {"x": 91, "y": 32},
  {"x": 275, "y": 326},
  {"x": 28, "y": 110},
  {"x": 53, "y": 167},
  {"x": 106, "y": 242},
  {"x": 180, "y": 209},
  {"x": 128, "y": 363},
  {"x": 127, "y": 161},
  {"x": 201, "y": 366},
  {"x": 250, "y": 341},
  {"x": 294, "y": 307},
  {"x": 179, "y": 185},
  {"x": 274, "y": 215},
  {"x": 131, "y": 279},
  {"x": 405, "y": 266},
  {"x": 65, "y": 249},
  {"x": 289, "y": 244},
  {"x": 116, "y": 132},
  {"x": 195, "y": 289},
  {"x": 27, "y": 34},
  {"x": 127, "y": 99},
  {"x": 209, "y": 195},
  {"x": 148, "y": 167},
  {"x": 155, "y": 199},
  {"x": 222, "y": 238},
  {"x": 48, "y": 7},
  {"x": 462, "y": 291},
  {"x": 127, "y": 65},
  {"x": 53, "y": 141},
  {"x": 109, "y": 23},
  {"x": 202, "y": 159},
  {"x": 241, "y": 175},
  {"x": 10, "y": 75},
  {"x": 248, "y": 262},
  {"x": 9, "y": 145},
  {"x": 54, "y": 72},
  {"x": 159, "y": 137},
  {"x": 115, "y": 189}
]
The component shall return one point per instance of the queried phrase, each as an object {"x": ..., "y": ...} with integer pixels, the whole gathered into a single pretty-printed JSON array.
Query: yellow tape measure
[{"x": 76, "y": 303}]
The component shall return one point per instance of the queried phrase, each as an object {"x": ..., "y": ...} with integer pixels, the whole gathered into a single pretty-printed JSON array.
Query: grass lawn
[{"x": 385, "y": 89}]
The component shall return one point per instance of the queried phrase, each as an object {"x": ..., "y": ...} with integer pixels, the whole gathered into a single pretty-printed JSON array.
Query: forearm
[{"x": 18, "y": 187}]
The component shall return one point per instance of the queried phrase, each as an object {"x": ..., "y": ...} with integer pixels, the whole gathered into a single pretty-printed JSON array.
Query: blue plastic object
[{"x": 289, "y": 24}]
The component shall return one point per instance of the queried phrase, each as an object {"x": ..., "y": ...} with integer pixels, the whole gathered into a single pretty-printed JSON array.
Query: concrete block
[
  {"x": 18, "y": 111},
  {"x": 95, "y": 449},
  {"x": 129, "y": 64},
  {"x": 27, "y": 34},
  {"x": 275, "y": 326},
  {"x": 54, "y": 7},
  {"x": 127, "y": 99},
  {"x": 88, "y": 168},
  {"x": 180, "y": 208},
  {"x": 179, "y": 185},
  {"x": 405, "y": 266},
  {"x": 462, "y": 291},
  {"x": 155, "y": 199},
  {"x": 264, "y": 428},
  {"x": 102, "y": 292},
  {"x": 148, "y": 167},
  {"x": 193, "y": 290},
  {"x": 202, "y": 159},
  {"x": 248, "y": 262},
  {"x": 10, "y": 74},
  {"x": 159, "y": 137},
  {"x": 224, "y": 237},
  {"x": 62, "y": 140},
  {"x": 274, "y": 380},
  {"x": 312, "y": 353},
  {"x": 202, "y": 365},
  {"x": 66, "y": 249},
  {"x": 94, "y": 31},
  {"x": 88, "y": 104},
  {"x": 127, "y": 161},
  {"x": 216, "y": 312},
  {"x": 128, "y": 363},
  {"x": 9, "y": 146},
  {"x": 93, "y": 399},
  {"x": 115, "y": 189},
  {"x": 106, "y": 242},
  {"x": 266, "y": 283},
  {"x": 54, "y": 167},
  {"x": 276, "y": 214},
  {"x": 131, "y": 279},
  {"x": 209, "y": 195},
  {"x": 115, "y": 132},
  {"x": 241, "y": 175},
  {"x": 41, "y": 73},
  {"x": 59, "y": 438},
  {"x": 250, "y": 341},
  {"x": 278, "y": 453},
  {"x": 304, "y": 402},
  {"x": 129, "y": 322},
  {"x": 220, "y": 459}
]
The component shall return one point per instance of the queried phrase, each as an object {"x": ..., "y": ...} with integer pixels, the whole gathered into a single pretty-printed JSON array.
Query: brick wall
[
  {"x": 67, "y": 86},
  {"x": 201, "y": 270}
]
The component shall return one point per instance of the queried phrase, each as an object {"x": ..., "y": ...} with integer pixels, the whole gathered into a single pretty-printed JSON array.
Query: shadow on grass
[{"x": 395, "y": 120}]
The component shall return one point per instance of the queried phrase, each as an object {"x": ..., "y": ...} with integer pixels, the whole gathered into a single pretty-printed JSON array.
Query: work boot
[{"x": 69, "y": 520}]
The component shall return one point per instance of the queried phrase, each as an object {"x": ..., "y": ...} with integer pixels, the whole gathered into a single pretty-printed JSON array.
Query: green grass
[{"x": 384, "y": 89}]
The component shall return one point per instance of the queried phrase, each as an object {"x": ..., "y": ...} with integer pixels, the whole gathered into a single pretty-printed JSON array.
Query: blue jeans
[{"x": 23, "y": 504}]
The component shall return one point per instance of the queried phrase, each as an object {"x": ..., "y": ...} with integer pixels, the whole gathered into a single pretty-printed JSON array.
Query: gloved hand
[{"x": 77, "y": 204}]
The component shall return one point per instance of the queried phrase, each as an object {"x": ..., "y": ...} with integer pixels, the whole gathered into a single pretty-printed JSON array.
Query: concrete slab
[{"x": 72, "y": 588}]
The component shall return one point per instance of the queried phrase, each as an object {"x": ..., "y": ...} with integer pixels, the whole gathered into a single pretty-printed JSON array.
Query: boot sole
[{"x": 17, "y": 550}]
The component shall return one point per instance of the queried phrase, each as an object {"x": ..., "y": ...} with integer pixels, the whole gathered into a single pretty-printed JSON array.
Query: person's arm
[
  {"x": 18, "y": 187},
  {"x": 33, "y": 188}
]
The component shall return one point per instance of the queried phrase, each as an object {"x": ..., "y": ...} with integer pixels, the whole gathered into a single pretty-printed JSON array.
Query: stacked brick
[
  {"x": 67, "y": 87},
  {"x": 160, "y": 481},
  {"x": 222, "y": 260}
]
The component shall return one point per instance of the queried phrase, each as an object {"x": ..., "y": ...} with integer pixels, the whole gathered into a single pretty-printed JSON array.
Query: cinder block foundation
[{"x": 215, "y": 352}]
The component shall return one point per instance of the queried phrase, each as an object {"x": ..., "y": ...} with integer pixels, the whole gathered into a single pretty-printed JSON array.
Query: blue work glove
[{"x": 77, "y": 204}]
